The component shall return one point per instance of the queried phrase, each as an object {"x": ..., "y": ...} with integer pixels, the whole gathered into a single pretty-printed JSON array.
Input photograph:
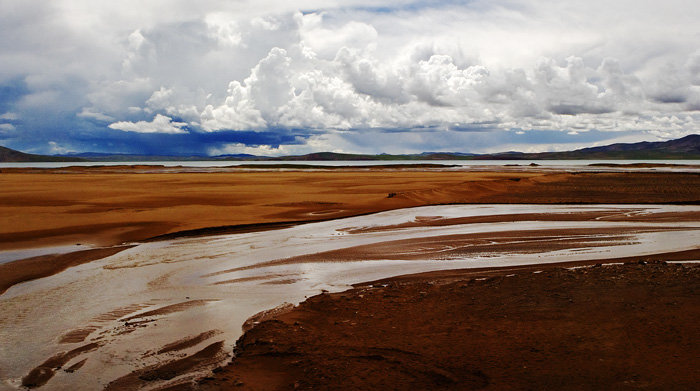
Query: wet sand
[
  {"x": 47, "y": 265},
  {"x": 108, "y": 207}
]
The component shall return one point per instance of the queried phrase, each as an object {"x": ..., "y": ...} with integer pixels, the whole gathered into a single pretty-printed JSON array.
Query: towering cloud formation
[{"x": 453, "y": 75}]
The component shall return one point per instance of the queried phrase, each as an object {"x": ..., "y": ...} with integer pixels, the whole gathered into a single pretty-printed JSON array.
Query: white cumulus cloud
[{"x": 160, "y": 124}]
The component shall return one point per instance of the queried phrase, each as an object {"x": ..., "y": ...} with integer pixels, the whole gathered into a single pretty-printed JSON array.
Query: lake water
[{"x": 461, "y": 164}]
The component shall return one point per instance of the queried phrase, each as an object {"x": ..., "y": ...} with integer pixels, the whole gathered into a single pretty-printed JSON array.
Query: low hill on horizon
[
  {"x": 687, "y": 147},
  {"x": 8, "y": 155}
]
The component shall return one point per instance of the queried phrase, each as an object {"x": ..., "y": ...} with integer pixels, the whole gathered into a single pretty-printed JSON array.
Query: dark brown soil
[
  {"x": 141, "y": 378},
  {"x": 611, "y": 327},
  {"x": 610, "y": 188},
  {"x": 44, "y": 372}
]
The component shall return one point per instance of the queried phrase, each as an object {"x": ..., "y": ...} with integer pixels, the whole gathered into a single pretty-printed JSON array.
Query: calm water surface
[{"x": 461, "y": 163}]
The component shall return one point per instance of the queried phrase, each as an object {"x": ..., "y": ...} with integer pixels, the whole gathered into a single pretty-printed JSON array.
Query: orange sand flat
[
  {"x": 103, "y": 207},
  {"x": 107, "y": 206}
]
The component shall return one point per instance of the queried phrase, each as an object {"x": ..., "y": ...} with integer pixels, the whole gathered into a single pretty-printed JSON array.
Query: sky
[{"x": 273, "y": 77}]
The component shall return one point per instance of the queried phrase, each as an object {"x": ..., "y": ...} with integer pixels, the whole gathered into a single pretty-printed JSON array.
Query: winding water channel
[{"x": 162, "y": 301}]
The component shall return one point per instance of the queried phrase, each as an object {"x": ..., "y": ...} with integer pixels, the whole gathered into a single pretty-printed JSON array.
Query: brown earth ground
[
  {"x": 610, "y": 327},
  {"x": 628, "y": 326},
  {"x": 108, "y": 206}
]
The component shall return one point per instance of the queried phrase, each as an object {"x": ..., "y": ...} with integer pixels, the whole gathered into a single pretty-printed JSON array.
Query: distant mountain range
[
  {"x": 684, "y": 148},
  {"x": 8, "y": 155},
  {"x": 687, "y": 147}
]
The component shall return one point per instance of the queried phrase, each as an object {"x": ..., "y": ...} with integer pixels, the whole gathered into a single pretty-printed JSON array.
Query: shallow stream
[{"x": 132, "y": 305}]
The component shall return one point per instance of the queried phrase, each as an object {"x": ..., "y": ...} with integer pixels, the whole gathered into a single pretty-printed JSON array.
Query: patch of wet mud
[
  {"x": 161, "y": 373},
  {"x": 40, "y": 375}
]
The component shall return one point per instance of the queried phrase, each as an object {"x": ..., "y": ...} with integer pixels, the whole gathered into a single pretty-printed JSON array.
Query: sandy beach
[{"x": 181, "y": 245}]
